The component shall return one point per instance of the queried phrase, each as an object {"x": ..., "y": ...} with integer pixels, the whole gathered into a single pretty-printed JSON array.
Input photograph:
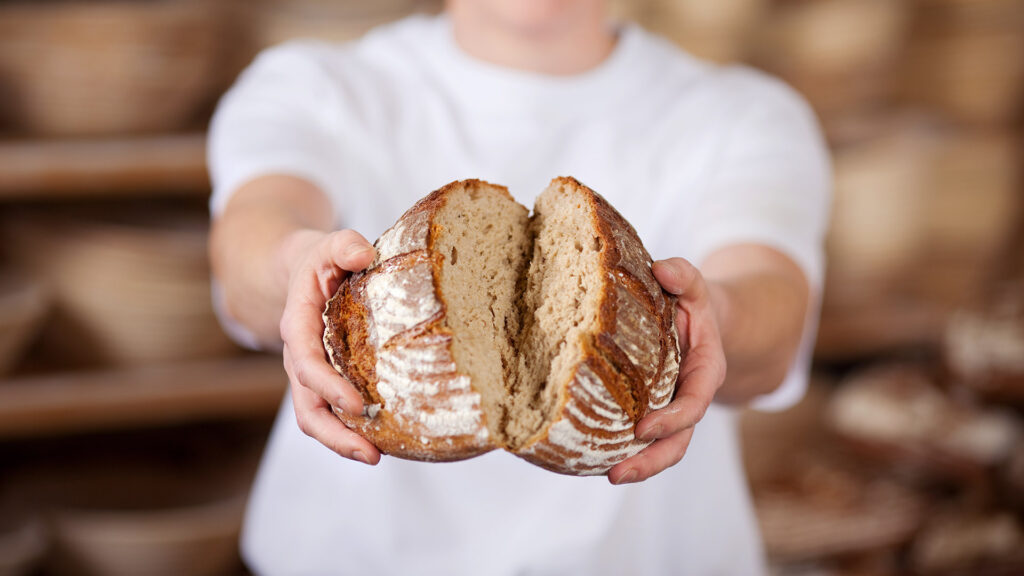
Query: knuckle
[
  {"x": 336, "y": 242},
  {"x": 701, "y": 411},
  {"x": 301, "y": 371},
  {"x": 703, "y": 406},
  {"x": 290, "y": 322},
  {"x": 677, "y": 457},
  {"x": 304, "y": 423},
  {"x": 674, "y": 261},
  {"x": 679, "y": 450},
  {"x": 343, "y": 239},
  {"x": 723, "y": 369},
  {"x": 683, "y": 267},
  {"x": 284, "y": 326},
  {"x": 348, "y": 236}
]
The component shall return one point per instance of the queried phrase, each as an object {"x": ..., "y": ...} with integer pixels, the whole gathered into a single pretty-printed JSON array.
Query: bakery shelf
[
  {"x": 117, "y": 167},
  {"x": 127, "y": 398}
]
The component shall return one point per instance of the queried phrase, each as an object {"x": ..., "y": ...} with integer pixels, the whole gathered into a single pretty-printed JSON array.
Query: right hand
[{"x": 317, "y": 263}]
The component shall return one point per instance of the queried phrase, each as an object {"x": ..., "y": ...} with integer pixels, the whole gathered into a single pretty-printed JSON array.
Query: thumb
[
  {"x": 350, "y": 251},
  {"x": 680, "y": 278}
]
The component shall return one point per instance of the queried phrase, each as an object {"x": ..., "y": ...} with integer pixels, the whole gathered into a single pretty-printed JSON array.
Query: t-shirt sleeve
[
  {"x": 770, "y": 184},
  {"x": 280, "y": 117}
]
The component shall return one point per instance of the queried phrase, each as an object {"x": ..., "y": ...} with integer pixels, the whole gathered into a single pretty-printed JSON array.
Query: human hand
[
  {"x": 317, "y": 263},
  {"x": 701, "y": 374}
]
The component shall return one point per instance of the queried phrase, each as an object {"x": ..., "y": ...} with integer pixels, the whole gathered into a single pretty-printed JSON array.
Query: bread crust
[
  {"x": 385, "y": 332},
  {"x": 630, "y": 362}
]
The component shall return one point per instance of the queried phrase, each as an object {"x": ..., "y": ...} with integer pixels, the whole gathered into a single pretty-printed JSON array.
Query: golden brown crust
[
  {"x": 413, "y": 406},
  {"x": 345, "y": 339},
  {"x": 632, "y": 354},
  {"x": 402, "y": 364}
]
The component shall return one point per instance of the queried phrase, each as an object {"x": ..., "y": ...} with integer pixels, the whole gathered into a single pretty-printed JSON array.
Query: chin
[{"x": 534, "y": 15}]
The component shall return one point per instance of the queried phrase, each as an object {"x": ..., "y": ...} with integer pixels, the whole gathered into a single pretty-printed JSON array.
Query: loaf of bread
[
  {"x": 899, "y": 415},
  {"x": 479, "y": 326},
  {"x": 984, "y": 346}
]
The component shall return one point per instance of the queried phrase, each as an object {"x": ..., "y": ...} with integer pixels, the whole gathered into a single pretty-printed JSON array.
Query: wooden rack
[
  {"x": 117, "y": 167},
  {"x": 73, "y": 402}
]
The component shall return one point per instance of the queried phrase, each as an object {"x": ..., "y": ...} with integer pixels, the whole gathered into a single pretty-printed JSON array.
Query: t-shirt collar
[{"x": 491, "y": 86}]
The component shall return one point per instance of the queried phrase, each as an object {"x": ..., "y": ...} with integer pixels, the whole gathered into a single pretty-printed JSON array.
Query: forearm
[
  {"x": 761, "y": 311},
  {"x": 264, "y": 229}
]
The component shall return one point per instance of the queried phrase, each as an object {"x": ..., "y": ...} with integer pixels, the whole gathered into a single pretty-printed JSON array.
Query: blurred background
[{"x": 130, "y": 426}]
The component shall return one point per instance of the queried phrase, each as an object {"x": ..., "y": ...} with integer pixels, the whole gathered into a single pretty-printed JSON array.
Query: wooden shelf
[
  {"x": 137, "y": 166},
  {"x": 46, "y": 405}
]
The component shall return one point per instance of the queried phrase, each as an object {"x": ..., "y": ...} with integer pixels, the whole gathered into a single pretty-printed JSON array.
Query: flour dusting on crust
[{"x": 388, "y": 331}]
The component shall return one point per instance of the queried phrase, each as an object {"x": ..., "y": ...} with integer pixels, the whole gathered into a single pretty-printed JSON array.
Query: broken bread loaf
[{"x": 479, "y": 326}]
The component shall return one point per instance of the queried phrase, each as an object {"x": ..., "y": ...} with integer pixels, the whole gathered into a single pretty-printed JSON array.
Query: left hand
[
  {"x": 701, "y": 374},
  {"x": 317, "y": 262}
]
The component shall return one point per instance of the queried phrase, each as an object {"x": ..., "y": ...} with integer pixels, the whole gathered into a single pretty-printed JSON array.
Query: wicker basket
[
  {"x": 141, "y": 516},
  {"x": 966, "y": 59},
  {"x": 984, "y": 347},
  {"x": 921, "y": 216},
  {"x": 812, "y": 499},
  {"x": 840, "y": 54},
  {"x": 199, "y": 539},
  {"x": 23, "y": 307},
  {"x": 108, "y": 67},
  {"x": 896, "y": 414},
  {"x": 974, "y": 76},
  {"x": 964, "y": 540},
  {"x": 127, "y": 290},
  {"x": 801, "y": 526}
]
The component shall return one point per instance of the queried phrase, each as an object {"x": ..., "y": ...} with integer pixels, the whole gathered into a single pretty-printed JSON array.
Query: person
[{"x": 721, "y": 170}]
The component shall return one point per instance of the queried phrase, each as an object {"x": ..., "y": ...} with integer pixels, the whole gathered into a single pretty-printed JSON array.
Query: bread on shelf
[{"x": 896, "y": 414}]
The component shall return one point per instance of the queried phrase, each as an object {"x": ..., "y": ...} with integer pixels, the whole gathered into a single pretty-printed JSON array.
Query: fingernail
[
  {"x": 346, "y": 407},
  {"x": 626, "y": 478},
  {"x": 650, "y": 433},
  {"x": 357, "y": 249},
  {"x": 358, "y": 455},
  {"x": 674, "y": 279}
]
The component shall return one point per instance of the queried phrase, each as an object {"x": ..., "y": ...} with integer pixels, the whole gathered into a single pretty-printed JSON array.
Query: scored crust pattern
[
  {"x": 385, "y": 331},
  {"x": 630, "y": 364}
]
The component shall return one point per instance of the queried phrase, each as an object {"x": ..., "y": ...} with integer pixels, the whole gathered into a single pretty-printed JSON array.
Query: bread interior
[
  {"x": 521, "y": 293},
  {"x": 482, "y": 234},
  {"x": 559, "y": 307}
]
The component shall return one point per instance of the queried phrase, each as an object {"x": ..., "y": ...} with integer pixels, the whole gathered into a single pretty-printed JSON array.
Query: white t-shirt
[{"x": 697, "y": 157}]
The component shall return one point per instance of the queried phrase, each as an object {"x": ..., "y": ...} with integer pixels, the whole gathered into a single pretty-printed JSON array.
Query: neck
[{"x": 571, "y": 45}]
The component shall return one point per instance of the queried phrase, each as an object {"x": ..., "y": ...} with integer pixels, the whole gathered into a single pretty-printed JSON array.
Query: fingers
[
  {"x": 315, "y": 385},
  {"x": 316, "y": 420},
  {"x": 699, "y": 381},
  {"x": 680, "y": 278},
  {"x": 302, "y": 322},
  {"x": 350, "y": 251},
  {"x": 700, "y": 376},
  {"x": 652, "y": 460},
  {"x": 302, "y": 332},
  {"x": 309, "y": 369}
]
